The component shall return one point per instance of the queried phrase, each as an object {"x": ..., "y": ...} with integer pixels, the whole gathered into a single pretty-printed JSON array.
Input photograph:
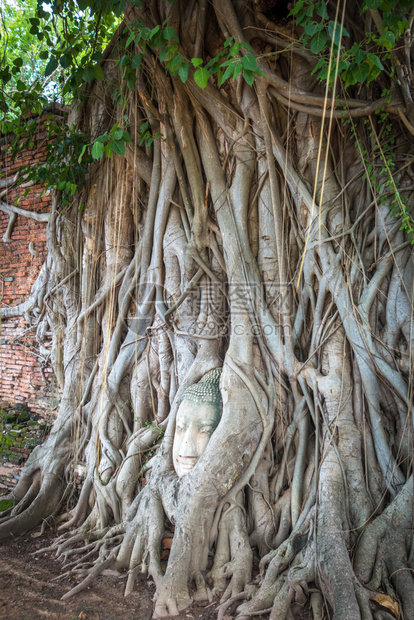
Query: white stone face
[{"x": 194, "y": 426}]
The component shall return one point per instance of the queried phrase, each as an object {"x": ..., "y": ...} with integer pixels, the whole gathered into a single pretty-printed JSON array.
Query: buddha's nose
[{"x": 189, "y": 445}]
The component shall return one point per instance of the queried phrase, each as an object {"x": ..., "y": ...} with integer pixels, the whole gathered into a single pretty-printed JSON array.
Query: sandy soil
[{"x": 28, "y": 592}]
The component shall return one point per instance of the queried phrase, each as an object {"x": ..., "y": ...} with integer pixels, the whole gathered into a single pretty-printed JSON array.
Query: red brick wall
[{"x": 24, "y": 376}]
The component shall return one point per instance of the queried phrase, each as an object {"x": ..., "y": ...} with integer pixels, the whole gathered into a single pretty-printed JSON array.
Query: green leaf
[
  {"x": 131, "y": 79},
  {"x": 165, "y": 54},
  {"x": 201, "y": 77},
  {"x": 296, "y": 8},
  {"x": 359, "y": 56},
  {"x": 97, "y": 150},
  {"x": 373, "y": 74},
  {"x": 51, "y": 66},
  {"x": 169, "y": 33},
  {"x": 136, "y": 61},
  {"x": 360, "y": 72},
  {"x": 323, "y": 75},
  {"x": 21, "y": 85},
  {"x": 373, "y": 4},
  {"x": 183, "y": 72},
  {"x": 375, "y": 61},
  {"x": 65, "y": 60},
  {"x": 343, "y": 65},
  {"x": 249, "y": 77},
  {"x": 43, "y": 55},
  {"x": 334, "y": 30},
  {"x": 237, "y": 69},
  {"x": 126, "y": 137},
  {"x": 18, "y": 62},
  {"x": 228, "y": 72},
  {"x": 119, "y": 7},
  {"x": 34, "y": 21},
  {"x": 313, "y": 27},
  {"x": 117, "y": 134},
  {"x": 118, "y": 147},
  {"x": 249, "y": 62},
  {"x": 387, "y": 39},
  {"x": 321, "y": 63},
  {"x": 130, "y": 39},
  {"x": 103, "y": 138},
  {"x": 322, "y": 11},
  {"x": 98, "y": 73},
  {"x": 88, "y": 74},
  {"x": 196, "y": 62},
  {"x": 234, "y": 50},
  {"x": 318, "y": 42},
  {"x": 174, "y": 63},
  {"x": 154, "y": 31}
]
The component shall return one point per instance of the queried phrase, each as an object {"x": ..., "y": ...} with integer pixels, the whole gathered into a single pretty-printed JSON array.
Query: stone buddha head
[{"x": 197, "y": 417}]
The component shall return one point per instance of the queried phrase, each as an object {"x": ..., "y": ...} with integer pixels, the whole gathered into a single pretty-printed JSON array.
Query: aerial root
[
  {"x": 281, "y": 604},
  {"x": 224, "y": 606},
  {"x": 95, "y": 572},
  {"x": 132, "y": 575},
  {"x": 234, "y": 557},
  {"x": 68, "y": 540},
  {"x": 289, "y": 571},
  {"x": 81, "y": 550},
  {"x": 317, "y": 606},
  {"x": 79, "y": 514},
  {"x": 85, "y": 558},
  {"x": 91, "y": 560},
  {"x": 381, "y": 558},
  {"x": 251, "y": 614},
  {"x": 27, "y": 499},
  {"x": 43, "y": 504}
]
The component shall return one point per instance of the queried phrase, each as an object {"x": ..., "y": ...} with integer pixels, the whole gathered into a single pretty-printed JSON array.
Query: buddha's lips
[{"x": 187, "y": 462}]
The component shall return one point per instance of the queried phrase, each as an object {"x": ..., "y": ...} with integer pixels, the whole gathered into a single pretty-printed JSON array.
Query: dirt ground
[{"x": 28, "y": 590}]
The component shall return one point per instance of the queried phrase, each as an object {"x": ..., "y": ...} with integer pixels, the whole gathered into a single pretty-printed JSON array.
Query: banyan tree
[{"x": 230, "y": 298}]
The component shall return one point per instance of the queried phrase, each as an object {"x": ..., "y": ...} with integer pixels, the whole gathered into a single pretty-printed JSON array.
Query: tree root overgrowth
[{"x": 248, "y": 235}]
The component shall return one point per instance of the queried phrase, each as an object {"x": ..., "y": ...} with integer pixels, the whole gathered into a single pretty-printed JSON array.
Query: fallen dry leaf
[{"x": 386, "y": 601}]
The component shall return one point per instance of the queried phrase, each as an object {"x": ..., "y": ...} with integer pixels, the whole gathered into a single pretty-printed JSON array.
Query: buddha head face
[{"x": 197, "y": 417}]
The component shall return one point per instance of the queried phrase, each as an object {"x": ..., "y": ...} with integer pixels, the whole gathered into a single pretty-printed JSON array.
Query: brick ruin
[{"x": 28, "y": 394}]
